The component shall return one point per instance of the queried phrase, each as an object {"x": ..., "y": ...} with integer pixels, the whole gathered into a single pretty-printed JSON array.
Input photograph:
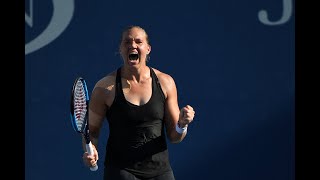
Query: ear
[
  {"x": 119, "y": 51},
  {"x": 149, "y": 49}
]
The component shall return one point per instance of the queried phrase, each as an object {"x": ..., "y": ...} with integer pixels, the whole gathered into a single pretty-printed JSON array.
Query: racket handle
[{"x": 90, "y": 152}]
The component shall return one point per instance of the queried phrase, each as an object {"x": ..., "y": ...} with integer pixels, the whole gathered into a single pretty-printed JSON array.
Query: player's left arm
[{"x": 173, "y": 115}]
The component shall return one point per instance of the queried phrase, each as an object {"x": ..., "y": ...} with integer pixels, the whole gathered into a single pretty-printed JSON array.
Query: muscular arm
[
  {"x": 101, "y": 99},
  {"x": 97, "y": 112},
  {"x": 172, "y": 112},
  {"x": 173, "y": 115}
]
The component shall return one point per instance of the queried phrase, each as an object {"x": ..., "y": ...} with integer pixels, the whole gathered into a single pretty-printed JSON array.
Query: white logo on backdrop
[
  {"x": 61, "y": 17},
  {"x": 286, "y": 14},
  {"x": 63, "y": 11}
]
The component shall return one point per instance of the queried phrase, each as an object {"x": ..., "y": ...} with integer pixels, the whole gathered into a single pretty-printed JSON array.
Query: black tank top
[{"x": 137, "y": 140}]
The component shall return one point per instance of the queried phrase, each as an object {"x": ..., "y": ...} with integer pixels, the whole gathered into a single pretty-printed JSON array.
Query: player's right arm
[{"x": 101, "y": 99}]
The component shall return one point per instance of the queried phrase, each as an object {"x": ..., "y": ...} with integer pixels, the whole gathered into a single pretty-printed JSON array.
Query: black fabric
[
  {"x": 137, "y": 141},
  {"x": 113, "y": 173}
]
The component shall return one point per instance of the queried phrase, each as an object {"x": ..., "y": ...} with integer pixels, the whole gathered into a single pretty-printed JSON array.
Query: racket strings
[{"x": 80, "y": 105}]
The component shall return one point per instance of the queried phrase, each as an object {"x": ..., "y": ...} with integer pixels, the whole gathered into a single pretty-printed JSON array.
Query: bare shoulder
[
  {"x": 104, "y": 89},
  {"x": 163, "y": 77},
  {"x": 107, "y": 82},
  {"x": 166, "y": 81}
]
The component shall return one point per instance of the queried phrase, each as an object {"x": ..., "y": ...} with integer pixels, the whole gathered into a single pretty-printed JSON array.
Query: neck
[{"x": 135, "y": 74}]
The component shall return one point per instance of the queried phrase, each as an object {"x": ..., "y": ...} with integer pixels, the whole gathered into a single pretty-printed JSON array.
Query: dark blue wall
[{"x": 236, "y": 71}]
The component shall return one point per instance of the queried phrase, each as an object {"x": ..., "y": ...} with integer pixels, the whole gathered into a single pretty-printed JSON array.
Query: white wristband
[{"x": 181, "y": 130}]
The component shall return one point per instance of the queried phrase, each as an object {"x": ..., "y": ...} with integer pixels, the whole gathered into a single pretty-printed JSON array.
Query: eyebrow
[{"x": 135, "y": 39}]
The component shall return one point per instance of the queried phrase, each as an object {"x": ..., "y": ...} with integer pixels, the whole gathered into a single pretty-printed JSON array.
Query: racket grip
[{"x": 90, "y": 152}]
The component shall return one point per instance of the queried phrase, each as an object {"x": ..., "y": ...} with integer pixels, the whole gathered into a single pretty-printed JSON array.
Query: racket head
[{"x": 79, "y": 104}]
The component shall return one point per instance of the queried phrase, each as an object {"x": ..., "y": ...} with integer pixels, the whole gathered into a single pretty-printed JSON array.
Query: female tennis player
[{"x": 140, "y": 104}]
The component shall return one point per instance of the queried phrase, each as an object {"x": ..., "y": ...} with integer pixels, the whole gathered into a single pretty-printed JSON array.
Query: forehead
[{"x": 136, "y": 33}]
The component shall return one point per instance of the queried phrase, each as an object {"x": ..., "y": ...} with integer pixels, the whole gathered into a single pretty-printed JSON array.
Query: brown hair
[{"x": 128, "y": 28}]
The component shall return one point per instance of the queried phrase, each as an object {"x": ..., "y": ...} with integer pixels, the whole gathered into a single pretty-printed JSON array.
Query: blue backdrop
[{"x": 233, "y": 61}]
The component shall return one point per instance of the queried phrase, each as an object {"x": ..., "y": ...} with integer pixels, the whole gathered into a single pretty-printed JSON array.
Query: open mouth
[{"x": 133, "y": 56}]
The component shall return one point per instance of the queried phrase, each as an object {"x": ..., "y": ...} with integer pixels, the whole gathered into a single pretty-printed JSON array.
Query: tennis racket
[{"x": 79, "y": 108}]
